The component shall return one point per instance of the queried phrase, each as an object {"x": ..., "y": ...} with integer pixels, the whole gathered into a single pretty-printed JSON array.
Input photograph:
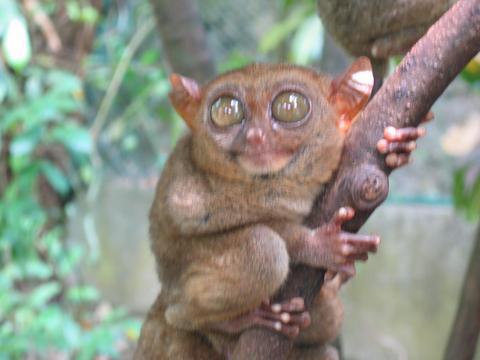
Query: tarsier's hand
[
  {"x": 287, "y": 318},
  {"x": 341, "y": 249},
  {"x": 398, "y": 144}
]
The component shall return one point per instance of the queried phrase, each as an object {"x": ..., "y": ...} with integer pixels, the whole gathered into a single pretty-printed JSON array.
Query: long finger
[
  {"x": 358, "y": 257},
  {"x": 361, "y": 242},
  {"x": 384, "y": 147},
  {"x": 302, "y": 320},
  {"x": 403, "y": 134},
  {"x": 296, "y": 304},
  {"x": 343, "y": 214},
  {"x": 291, "y": 331},
  {"x": 395, "y": 161}
]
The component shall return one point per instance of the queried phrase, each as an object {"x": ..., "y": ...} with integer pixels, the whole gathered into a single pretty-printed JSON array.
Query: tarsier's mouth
[{"x": 265, "y": 161}]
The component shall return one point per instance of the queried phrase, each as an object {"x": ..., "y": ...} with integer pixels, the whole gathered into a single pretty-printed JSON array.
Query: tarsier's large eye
[
  {"x": 290, "y": 106},
  {"x": 226, "y": 111}
]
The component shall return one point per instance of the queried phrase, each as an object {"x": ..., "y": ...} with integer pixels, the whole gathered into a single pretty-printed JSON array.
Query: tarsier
[
  {"x": 379, "y": 28},
  {"x": 226, "y": 222}
]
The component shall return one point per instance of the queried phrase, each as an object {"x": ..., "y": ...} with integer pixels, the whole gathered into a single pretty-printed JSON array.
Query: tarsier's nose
[{"x": 255, "y": 137}]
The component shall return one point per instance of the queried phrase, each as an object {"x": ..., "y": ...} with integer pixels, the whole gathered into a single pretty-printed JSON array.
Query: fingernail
[
  {"x": 276, "y": 308},
  {"x": 285, "y": 317},
  {"x": 391, "y": 160},
  {"x": 298, "y": 301},
  {"x": 278, "y": 326},
  {"x": 412, "y": 145},
  {"x": 382, "y": 146},
  {"x": 342, "y": 211},
  {"x": 390, "y": 131},
  {"x": 421, "y": 131}
]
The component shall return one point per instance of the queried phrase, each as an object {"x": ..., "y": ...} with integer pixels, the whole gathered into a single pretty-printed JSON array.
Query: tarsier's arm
[{"x": 327, "y": 246}]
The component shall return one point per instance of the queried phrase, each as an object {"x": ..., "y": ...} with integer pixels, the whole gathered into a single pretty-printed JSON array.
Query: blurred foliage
[
  {"x": 466, "y": 189},
  {"x": 129, "y": 87},
  {"x": 297, "y": 37},
  {"x": 45, "y": 310},
  {"x": 300, "y": 30},
  {"x": 471, "y": 73},
  {"x": 466, "y": 185},
  {"x": 16, "y": 47}
]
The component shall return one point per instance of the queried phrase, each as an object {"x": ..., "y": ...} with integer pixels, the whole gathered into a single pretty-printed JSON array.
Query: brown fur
[
  {"x": 379, "y": 28},
  {"x": 360, "y": 25},
  {"x": 224, "y": 238}
]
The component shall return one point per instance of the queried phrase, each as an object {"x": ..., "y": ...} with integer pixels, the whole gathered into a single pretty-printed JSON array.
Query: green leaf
[
  {"x": 16, "y": 45},
  {"x": 8, "y": 10},
  {"x": 9, "y": 274},
  {"x": 80, "y": 294},
  {"x": 307, "y": 43},
  {"x": 37, "y": 269},
  {"x": 3, "y": 84},
  {"x": 458, "y": 188},
  {"x": 63, "y": 82},
  {"x": 466, "y": 193},
  {"x": 13, "y": 117},
  {"x": 73, "y": 10},
  {"x": 150, "y": 56},
  {"x": 75, "y": 138},
  {"x": 68, "y": 259},
  {"x": 55, "y": 177},
  {"x": 77, "y": 12},
  {"x": 235, "y": 60},
  {"x": 130, "y": 142},
  {"x": 281, "y": 31},
  {"x": 25, "y": 143},
  {"x": 8, "y": 301},
  {"x": 33, "y": 87},
  {"x": 89, "y": 14},
  {"x": 44, "y": 293}
]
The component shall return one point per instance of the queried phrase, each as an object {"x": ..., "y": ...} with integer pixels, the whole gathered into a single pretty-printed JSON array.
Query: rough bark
[
  {"x": 466, "y": 328},
  {"x": 362, "y": 178},
  {"x": 183, "y": 38}
]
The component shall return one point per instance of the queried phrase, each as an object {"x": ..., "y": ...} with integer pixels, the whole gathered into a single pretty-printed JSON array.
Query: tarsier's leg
[
  {"x": 398, "y": 144},
  {"x": 326, "y": 315},
  {"x": 397, "y": 43},
  {"x": 240, "y": 270},
  {"x": 161, "y": 341},
  {"x": 314, "y": 352},
  {"x": 287, "y": 318}
]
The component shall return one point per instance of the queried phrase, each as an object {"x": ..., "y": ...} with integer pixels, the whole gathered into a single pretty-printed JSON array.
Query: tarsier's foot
[
  {"x": 398, "y": 144},
  {"x": 341, "y": 249},
  {"x": 287, "y": 318}
]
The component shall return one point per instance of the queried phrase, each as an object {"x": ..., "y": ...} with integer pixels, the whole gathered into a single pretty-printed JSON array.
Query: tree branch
[
  {"x": 466, "y": 327},
  {"x": 362, "y": 178},
  {"x": 183, "y": 38}
]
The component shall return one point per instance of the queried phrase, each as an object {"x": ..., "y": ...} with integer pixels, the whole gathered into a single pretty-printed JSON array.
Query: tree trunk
[
  {"x": 465, "y": 330},
  {"x": 362, "y": 179},
  {"x": 183, "y": 38}
]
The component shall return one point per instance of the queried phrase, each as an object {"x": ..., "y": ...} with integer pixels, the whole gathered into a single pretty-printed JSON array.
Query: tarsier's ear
[
  {"x": 185, "y": 97},
  {"x": 350, "y": 92}
]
